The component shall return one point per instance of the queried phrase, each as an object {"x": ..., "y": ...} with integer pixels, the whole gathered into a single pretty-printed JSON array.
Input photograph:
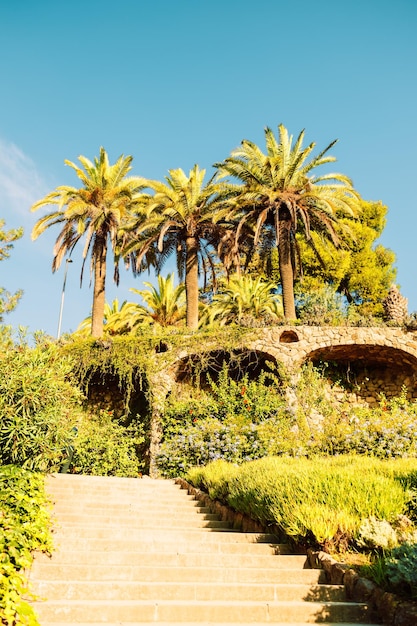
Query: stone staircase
[{"x": 142, "y": 551}]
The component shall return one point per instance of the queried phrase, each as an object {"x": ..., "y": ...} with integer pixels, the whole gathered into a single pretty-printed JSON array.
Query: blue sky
[{"x": 178, "y": 82}]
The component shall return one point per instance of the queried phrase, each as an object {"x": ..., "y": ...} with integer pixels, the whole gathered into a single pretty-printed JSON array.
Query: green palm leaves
[
  {"x": 164, "y": 305},
  {"x": 278, "y": 190},
  {"x": 245, "y": 297},
  {"x": 268, "y": 195},
  {"x": 96, "y": 212},
  {"x": 185, "y": 217}
]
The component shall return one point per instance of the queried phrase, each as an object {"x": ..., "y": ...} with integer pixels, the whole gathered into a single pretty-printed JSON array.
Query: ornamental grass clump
[{"x": 321, "y": 502}]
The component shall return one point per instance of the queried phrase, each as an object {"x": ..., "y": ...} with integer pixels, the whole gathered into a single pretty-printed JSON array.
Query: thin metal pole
[{"x": 61, "y": 310}]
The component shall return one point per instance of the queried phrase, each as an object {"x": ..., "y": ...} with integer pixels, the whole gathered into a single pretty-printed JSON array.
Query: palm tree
[
  {"x": 279, "y": 191},
  {"x": 165, "y": 304},
  {"x": 184, "y": 217},
  {"x": 245, "y": 296},
  {"x": 118, "y": 320},
  {"x": 97, "y": 211}
]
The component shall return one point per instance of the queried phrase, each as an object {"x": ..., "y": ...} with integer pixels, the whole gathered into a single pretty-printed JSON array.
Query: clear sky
[{"x": 179, "y": 82}]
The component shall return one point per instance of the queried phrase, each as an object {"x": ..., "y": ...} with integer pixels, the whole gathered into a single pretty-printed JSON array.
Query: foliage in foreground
[
  {"x": 248, "y": 419},
  {"x": 38, "y": 402},
  {"x": 104, "y": 447},
  {"x": 233, "y": 420},
  {"x": 321, "y": 501},
  {"x": 24, "y": 528}
]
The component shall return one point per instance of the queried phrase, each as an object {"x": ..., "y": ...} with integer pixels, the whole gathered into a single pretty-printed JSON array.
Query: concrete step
[
  {"x": 145, "y": 590},
  {"x": 169, "y": 542},
  {"x": 177, "y": 535},
  {"x": 241, "y": 623},
  {"x": 95, "y": 507},
  {"x": 84, "y": 519},
  {"x": 56, "y": 572},
  {"x": 209, "y": 612},
  {"x": 141, "y": 551},
  {"x": 172, "y": 559}
]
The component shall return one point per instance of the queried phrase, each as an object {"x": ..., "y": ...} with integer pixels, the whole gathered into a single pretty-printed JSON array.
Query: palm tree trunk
[
  {"x": 191, "y": 282},
  {"x": 285, "y": 265},
  {"x": 99, "y": 294}
]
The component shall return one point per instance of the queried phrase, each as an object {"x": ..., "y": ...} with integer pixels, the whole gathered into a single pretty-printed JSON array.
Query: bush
[
  {"x": 235, "y": 421},
  {"x": 24, "y": 527},
  {"x": 38, "y": 405},
  {"x": 401, "y": 569},
  {"x": 387, "y": 431},
  {"x": 104, "y": 447},
  {"x": 321, "y": 501}
]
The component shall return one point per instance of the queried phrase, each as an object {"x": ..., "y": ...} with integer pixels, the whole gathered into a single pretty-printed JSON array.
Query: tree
[
  {"x": 165, "y": 304},
  {"x": 279, "y": 191},
  {"x": 117, "y": 320},
  {"x": 96, "y": 211},
  {"x": 363, "y": 271},
  {"x": 8, "y": 301},
  {"x": 184, "y": 217},
  {"x": 244, "y": 296}
]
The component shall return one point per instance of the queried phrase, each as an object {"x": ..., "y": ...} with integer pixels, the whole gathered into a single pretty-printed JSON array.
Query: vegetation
[
  {"x": 243, "y": 299},
  {"x": 184, "y": 217},
  {"x": 280, "y": 192},
  {"x": 164, "y": 305},
  {"x": 8, "y": 301},
  {"x": 273, "y": 212},
  {"x": 24, "y": 528},
  {"x": 117, "y": 320},
  {"x": 233, "y": 420},
  {"x": 104, "y": 446},
  {"x": 97, "y": 211},
  {"x": 314, "y": 501},
  {"x": 38, "y": 402},
  {"x": 362, "y": 271}
]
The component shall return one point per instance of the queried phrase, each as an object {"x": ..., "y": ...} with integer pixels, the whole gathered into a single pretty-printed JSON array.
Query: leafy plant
[
  {"x": 321, "y": 502},
  {"x": 105, "y": 447},
  {"x": 401, "y": 569},
  {"x": 231, "y": 420},
  {"x": 24, "y": 528},
  {"x": 38, "y": 402}
]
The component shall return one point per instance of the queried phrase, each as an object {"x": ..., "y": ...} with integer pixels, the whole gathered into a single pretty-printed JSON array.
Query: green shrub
[
  {"x": 38, "y": 403},
  {"x": 234, "y": 421},
  {"x": 104, "y": 447},
  {"x": 395, "y": 570},
  {"x": 318, "y": 501},
  {"x": 24, "y": 528},
  {"x": 386, "y": 431},
  {"x": 401, "y": 569}
]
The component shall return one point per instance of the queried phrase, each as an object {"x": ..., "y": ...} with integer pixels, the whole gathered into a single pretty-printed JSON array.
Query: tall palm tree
[
  {"x": 96, "y": 211},
  {"x": 165, "y": 304},
  {"x": 184, "y": 217},
  {"x": 279, "y": 191}
]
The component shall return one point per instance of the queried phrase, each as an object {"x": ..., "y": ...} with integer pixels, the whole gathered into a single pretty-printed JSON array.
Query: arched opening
[
  {"x": 366, "y": 372},
  {"x": 288, "y": 336},
  {"x": 196, "y": 369}
]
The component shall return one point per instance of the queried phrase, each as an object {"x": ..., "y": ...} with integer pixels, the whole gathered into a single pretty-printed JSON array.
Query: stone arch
[
  {"x": 106, "y": 390},
  {"x": 289, "y": 336},
  {"x": 368, "y": 371},
  {"x": 197, "y": 367}
]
